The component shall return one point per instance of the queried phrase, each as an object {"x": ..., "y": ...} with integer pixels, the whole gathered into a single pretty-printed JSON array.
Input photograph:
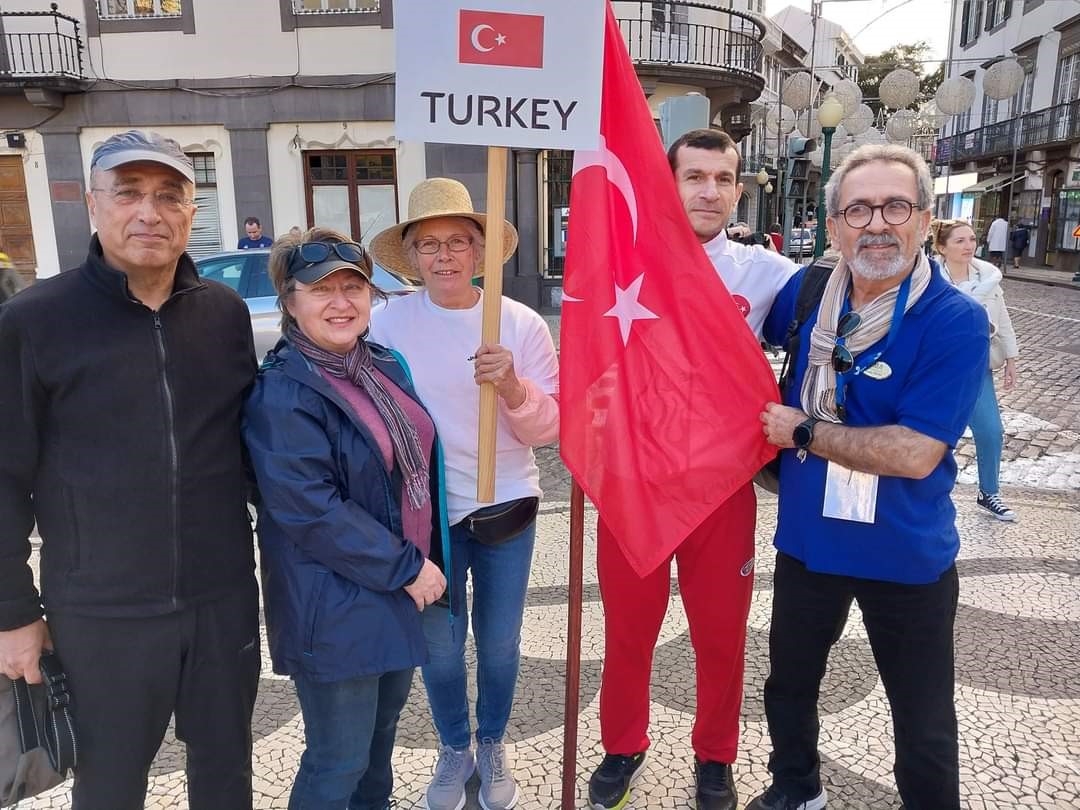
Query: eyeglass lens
[{"x": 894, "y": 212}]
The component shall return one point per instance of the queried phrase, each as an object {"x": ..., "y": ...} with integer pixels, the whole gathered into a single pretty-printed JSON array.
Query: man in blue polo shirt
[
  {"x": 255, "y": 237},
  {"x": 885, "y": 379}
]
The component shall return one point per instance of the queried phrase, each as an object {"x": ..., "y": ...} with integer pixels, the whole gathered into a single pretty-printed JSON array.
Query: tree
[{"x": 913, "y": 57}]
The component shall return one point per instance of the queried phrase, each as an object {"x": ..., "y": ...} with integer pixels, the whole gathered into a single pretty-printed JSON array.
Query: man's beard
[{"x": 877, "y": 271}]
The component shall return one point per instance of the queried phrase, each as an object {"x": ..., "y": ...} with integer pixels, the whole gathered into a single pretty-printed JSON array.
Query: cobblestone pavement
[{"x": 1018, "y": 641}]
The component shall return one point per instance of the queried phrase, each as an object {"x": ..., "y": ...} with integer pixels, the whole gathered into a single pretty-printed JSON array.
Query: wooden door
[{"x": 16, "y": 236}]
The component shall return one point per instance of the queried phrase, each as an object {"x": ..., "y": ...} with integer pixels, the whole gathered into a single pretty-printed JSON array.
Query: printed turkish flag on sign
[
  {"x": 661, "y": 382},
  {"x": 498, "y": 38}
]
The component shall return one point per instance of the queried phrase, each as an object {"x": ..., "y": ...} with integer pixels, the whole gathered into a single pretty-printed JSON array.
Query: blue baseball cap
[{"x": 134, "y": 146}]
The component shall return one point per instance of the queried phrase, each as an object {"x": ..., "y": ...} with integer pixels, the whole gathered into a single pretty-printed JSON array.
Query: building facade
[
  {"x": 1020, "y": 157},
  {"x": 287, "y": 109}
]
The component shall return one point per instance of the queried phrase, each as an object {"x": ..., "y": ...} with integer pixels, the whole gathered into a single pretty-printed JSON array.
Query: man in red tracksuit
[{"x": 715, "y": 562}]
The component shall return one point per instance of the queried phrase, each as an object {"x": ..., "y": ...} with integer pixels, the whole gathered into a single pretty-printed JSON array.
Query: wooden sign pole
[
  {"x": 493, "y": 270},
  {"x": 573, "y": 648}
]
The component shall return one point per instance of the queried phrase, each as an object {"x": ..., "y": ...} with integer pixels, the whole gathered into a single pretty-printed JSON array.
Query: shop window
[
  {"x": 558, "y": 168},
  {"x": 1067, "y": 218},
  {"x": 352, "y": 191}
]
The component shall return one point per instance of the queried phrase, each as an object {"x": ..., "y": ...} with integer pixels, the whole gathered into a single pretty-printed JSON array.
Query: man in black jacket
[{"x": 121, "y": 384}]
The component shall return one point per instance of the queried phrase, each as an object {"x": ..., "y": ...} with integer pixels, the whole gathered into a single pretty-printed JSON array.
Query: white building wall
[{"x": 38, "y": 200}]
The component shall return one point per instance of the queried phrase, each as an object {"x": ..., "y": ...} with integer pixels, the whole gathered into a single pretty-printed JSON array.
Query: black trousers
[
  {"x": 128, "y": 677},
  {"x": 911, "y": 634}
]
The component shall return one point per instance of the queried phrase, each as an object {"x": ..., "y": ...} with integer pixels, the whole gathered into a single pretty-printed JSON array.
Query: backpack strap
[{"x": 811, "y": 288}]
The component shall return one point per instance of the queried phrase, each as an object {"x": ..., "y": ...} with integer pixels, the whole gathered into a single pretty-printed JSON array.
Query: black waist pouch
[{"x": 493, "y": 525}]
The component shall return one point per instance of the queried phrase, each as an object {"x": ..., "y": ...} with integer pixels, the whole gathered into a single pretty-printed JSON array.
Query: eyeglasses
[
  {"x": 130, "y": 197},
  {"x": 455, "y": 244},
  {"x": 842, "y": 358},
  {"x": 311, "y": 253},
  {"x": 894, "y": 212},
  {"x": 352, "y": 290}
]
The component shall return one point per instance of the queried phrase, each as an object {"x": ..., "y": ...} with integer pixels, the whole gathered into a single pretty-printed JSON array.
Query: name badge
[
  {"x": 879, "y": 371},
  {"x": 849, "y": 494}
]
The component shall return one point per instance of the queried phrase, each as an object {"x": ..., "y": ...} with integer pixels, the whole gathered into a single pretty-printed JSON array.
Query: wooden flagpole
[
  {"x": 493, "y": 270},
  {"x": 573, "y": 648}
]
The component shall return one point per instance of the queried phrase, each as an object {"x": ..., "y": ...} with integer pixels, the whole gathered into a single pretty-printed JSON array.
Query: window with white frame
[
  {"x": 1068, "y": 86},
  {"x": 1021, "y": 102},
  {"x": 997, "y": 12},
  {"x": 989, "y": 110},
  {"x": 138, "y": 9},
  {"x": 334, "y": 6}
]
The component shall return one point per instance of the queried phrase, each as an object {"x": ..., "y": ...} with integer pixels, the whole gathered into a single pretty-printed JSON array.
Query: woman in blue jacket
[{"x": 349, "y": 519}]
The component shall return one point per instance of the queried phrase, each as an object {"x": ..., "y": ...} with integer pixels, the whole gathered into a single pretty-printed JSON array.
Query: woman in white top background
[{"x": 955, "y": 242}]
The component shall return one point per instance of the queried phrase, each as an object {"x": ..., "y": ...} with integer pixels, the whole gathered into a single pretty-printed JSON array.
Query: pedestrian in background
[
  {"x": 997, "y": 237},
  {"x": 349, "y": 517},
  {"x": 955, "y": 241},
  {"x": 255, "y": 238},
  {"x": 1019, "y": 240},
  {"x": 438, "y": 330},
  {"x": 121, "y": 384},
  {"x": 888, "y": 370}
]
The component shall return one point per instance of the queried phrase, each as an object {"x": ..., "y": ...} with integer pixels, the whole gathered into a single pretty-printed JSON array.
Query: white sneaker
[
  {"x": 498, "y": 791},
  {"x": 452, "y": 771}
]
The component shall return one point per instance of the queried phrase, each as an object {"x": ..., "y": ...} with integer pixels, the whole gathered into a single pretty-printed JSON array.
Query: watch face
[{"x": 803, "y": 434}]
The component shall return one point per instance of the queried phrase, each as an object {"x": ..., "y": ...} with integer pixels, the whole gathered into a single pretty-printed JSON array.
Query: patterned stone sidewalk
[{"x": 1018, "y": 684}]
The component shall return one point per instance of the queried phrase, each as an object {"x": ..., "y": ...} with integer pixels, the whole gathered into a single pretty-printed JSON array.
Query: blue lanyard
[{"x": 894, "y": 328}]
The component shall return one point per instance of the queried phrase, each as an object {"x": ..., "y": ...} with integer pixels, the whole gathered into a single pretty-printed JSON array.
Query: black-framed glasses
[
  {"x": 894, "y": 212},
  {"x": 842, "y": 358},
  {"x": 311, "y": 253},
  {"x": 455, "y": 244}
]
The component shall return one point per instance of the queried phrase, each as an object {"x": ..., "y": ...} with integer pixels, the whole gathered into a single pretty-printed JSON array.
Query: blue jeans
[
  {"x": 987, "y": 431},
  {"x": 349, "y": 728},
  {"x": 500, "y": 577}
]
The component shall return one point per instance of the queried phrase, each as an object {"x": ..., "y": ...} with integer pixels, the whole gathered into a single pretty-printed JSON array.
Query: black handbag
[
  {"x": 496, "y": 524},
  {"x": 37, "y": 736}
]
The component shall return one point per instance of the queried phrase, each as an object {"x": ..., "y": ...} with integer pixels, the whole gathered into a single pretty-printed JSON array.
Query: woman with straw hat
[{"x": 437, "y": 329}]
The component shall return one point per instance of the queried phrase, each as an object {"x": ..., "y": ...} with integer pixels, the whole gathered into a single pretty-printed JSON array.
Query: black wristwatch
[{"x": 803, "y": 436}]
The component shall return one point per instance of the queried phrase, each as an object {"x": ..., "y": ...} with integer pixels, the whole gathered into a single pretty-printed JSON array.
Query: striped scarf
[
  {"x": 818, "y": 395},
  {"x": 358, "y": 367}
]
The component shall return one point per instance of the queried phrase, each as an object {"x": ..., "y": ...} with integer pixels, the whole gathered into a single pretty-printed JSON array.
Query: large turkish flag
[{"x": 661, "y": 381}]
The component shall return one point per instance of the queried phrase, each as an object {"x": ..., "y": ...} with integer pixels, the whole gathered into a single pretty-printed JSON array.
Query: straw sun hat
[{"x": 437, "y": 197}]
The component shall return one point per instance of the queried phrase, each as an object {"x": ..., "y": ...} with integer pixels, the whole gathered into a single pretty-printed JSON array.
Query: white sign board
[{"x": 522, "y": 73}]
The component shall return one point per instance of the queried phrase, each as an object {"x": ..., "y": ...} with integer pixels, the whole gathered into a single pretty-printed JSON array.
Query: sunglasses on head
[{"x": 311, "y": 253}]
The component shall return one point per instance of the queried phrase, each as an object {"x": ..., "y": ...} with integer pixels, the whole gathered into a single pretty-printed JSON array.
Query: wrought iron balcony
[
  {"x": 40, "y": 49},
  {"x": 661, "y": 34},
  {"x": 1052, "y": 126}
]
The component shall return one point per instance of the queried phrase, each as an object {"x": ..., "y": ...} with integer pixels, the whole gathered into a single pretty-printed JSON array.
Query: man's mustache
[{"x": 877, "y": 240}]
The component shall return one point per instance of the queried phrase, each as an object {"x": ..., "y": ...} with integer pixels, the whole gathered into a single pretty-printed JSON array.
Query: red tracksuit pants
[{"x": 716, "y": 582}]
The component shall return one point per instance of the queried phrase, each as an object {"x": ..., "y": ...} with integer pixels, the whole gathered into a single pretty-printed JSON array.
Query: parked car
[
  {"x": 801, "y": 243},
  {"x": 246, "y": 272}
]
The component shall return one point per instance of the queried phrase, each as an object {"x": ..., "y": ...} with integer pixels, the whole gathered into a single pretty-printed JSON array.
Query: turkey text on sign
[{"x": 521, "y": 73}]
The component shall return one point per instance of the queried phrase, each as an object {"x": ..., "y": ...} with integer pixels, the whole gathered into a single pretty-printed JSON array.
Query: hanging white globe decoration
[
  {"x": 813, "y": 128},
  {"x": 797, "y": 91},
  {"x": 782, "y": 117},
  {"x": 899, "y": 88},
  {"x": 815, "y": 157},
  {"x": 859, "y": 121},
  {"x": 849, "y": 94},
  {"x": 1002, "y": 79},
  {"x": 901, "y": 126},
  {"x": 840, "y": 134},
  {"x": 955, "y": 95},
  {"x": 931, "y": 116},
  {"x": 871, "y": 135}
]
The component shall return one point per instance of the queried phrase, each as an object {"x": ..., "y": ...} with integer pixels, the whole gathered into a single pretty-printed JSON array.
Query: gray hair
[{"x": 888, "y": 153}]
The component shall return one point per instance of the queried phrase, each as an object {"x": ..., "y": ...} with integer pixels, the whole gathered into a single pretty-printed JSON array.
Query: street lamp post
[
  {"x": 762, "y": 178},
  {"x": 830, "y": 114}
]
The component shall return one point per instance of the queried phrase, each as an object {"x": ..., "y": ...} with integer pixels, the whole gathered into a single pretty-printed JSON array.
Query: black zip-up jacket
[{"x": 120, "y": 436}]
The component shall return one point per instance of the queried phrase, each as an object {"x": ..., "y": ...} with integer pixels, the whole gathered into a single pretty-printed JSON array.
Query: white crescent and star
[
  {"x": 500, "y": 39},
  {"x": 616, "y": 172},
  {"x": 627, "y": 308}
]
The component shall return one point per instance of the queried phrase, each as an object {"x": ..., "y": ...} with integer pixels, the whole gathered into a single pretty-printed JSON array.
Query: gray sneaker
[
  {"x": 452, "y": 771},
  {"x": 498, "y": 791}
]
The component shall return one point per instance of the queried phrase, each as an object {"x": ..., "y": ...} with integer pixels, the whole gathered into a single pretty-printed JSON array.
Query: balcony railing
[
  {"x": 659, "y": 34},
  {"x": 1059, "y": 124},
  {"x": 40, "y": 45}
]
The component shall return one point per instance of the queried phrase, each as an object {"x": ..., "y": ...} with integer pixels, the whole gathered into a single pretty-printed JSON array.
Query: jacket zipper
[{"x": 174, "y": 460}]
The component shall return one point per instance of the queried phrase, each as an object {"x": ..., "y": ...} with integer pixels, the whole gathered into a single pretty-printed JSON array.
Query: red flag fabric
[
  {"x": 499, "y": 38},
  {"x": 661, "y": 380}
]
